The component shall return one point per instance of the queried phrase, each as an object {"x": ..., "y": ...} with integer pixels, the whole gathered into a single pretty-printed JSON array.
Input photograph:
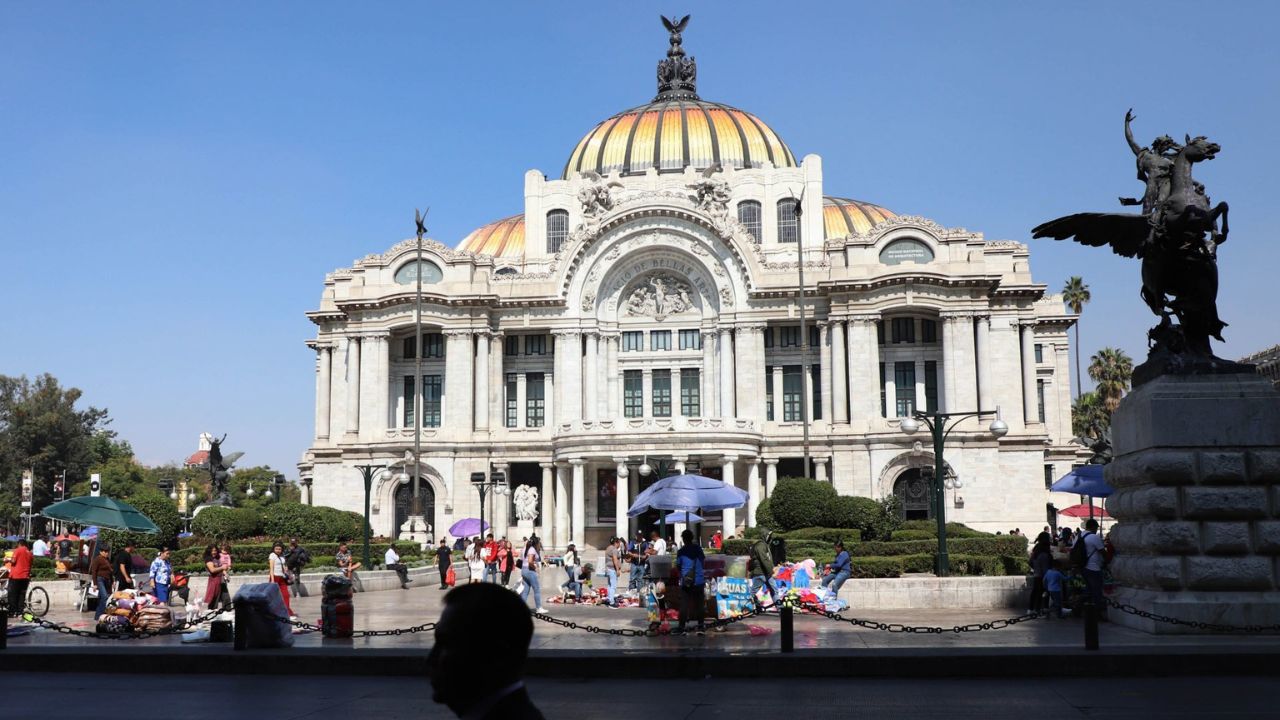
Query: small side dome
[
  {"x": 842, "y": 217},
  {"x": 503, "y": 238}
]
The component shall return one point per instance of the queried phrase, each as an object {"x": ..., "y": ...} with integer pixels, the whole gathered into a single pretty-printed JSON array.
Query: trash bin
[
  {"x": 261, "y": 618},
  {"x": 336, "y": 608}
]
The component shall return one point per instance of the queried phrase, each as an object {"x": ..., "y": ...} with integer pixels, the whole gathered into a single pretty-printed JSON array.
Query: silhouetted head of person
[
  {"x": 686, "y": 537},
  {"x": 485, "y": 626},
  {"x": 1091, "y": 526}
]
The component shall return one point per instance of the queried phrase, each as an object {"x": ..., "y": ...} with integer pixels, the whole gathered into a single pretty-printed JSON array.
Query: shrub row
[
  {"x": 1011, "y": 546},
  {"x": 226, "y": 523},
  {"x": 953, "y": 529},
  {"x": 258, "y": 552}
]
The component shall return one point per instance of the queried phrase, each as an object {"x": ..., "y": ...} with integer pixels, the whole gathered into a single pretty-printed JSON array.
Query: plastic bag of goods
[{"x": 261, "y": 609}]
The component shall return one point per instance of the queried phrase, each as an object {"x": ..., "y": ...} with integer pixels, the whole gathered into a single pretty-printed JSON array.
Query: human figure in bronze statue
[
  {"x": 220, "y": 471},
  {"x": 1176, "y": 236}
]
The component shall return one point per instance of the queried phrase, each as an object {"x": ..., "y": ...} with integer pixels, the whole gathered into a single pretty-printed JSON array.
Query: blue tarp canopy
[{"x": 1084, "y": 480}]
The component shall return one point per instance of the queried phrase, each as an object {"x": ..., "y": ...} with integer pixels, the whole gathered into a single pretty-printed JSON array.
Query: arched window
[
  {"x": 557, "y": 230},
  {"x": 788, "y": 223},
  {"x": 750, "y": 216}
]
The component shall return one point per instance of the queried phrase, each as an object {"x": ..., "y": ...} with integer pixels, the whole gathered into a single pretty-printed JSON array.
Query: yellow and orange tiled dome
[
  {"x": 840, "y": 217},
  {"x": 672, "y": 134}
]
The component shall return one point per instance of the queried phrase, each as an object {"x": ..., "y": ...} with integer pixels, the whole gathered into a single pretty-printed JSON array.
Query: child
[{"x": 1054, "y": 581}]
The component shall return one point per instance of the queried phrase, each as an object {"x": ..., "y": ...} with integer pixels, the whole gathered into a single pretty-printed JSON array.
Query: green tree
[
  {"x": 42, "y": 430},
  {"x": 260, "y": 478},
  {"x": 1111, "y": 370},
  {"x": 1076, "y": 295},
  {"x": 1087, "y": 410},
  {"x": 799, "y": 502}
]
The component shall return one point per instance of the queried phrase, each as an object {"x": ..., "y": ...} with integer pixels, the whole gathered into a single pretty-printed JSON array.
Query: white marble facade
[{"x": 664, "y": 329}]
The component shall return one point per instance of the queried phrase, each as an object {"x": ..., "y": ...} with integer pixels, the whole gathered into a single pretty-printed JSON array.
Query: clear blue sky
[{"x": 177, "y": 178}]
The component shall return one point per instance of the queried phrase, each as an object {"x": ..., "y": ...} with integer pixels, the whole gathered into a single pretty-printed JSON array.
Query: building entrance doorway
[
  {"x": 912, "y": 491},
  {"x": 404, "y": 504}
]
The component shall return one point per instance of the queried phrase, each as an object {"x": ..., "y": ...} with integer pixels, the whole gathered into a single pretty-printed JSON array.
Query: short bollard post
[
  {"x": 240, "y": 628},
  {"x": 788, "y": 629},
  {"x": 1090, "y": 626}
]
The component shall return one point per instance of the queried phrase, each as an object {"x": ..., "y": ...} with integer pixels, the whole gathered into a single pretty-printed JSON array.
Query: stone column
[
  {"x": 374, "y": 385},
  {"x": 481, "y": 402},
  {"x": 498, "y": 384},
  {"x": 753, "y": 490},
  {"x": 839, "y": 375},
  {"x": 324, "y": 383},
  {"x": 730, "y": 514},
  {"x": 710, "y": 403},
  {"x": 579, "y": 501},
  {"x": 549, "y": 392},
  {"x": 383, "y": 405},
  {"x": 864, "y": 371},
  {"x": 806, "y": 387},
  {"x": 922, "y": 400},
  {"x": 458, "y": 387},
  {"x": 966, "y": 373},
  {"x": 1029, "y": 408},
  {"x": 548, "y": 503},
  {"x": 778, "y": 414},
  {"x": 727, "y": 375},
  {"x": 983, "y": 354},
  {"x": 573, "y": 378},
  {"x": 755, "y": 408},
  {"x": 623, "y": 499},
  {"x": 522, "y": 400},
  {"x": 770, "y": 476},
  {"x": 353, "y": 385},
  {"x": 591, "y": 389},
  {"x": 646, "y": 382},
  {"x": 562, "y": 505},
  {"x": 1062, "y": 376},
  {"x": 1197, "y": 478},
  {"x": 820, "y": 469},
  {"x": 828, "y": 380},
  {"x": 948, "y": 378},
  {"x": 613, "y": 378}
]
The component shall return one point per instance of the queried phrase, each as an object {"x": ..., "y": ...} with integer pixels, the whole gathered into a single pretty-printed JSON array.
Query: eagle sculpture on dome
[{"x": 675, "y": 28}]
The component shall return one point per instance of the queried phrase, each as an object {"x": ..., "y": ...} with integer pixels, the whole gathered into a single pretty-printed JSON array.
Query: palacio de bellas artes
[{"x": 639, "y": 317}]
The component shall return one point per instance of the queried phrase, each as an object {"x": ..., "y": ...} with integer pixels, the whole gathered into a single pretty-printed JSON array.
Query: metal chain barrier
[
  {"x": 301, "y": 625},
  {"x": 126, "y": 635},
  {"x": 919, "y": 629},
  {"x": 1215, "y": 627}
]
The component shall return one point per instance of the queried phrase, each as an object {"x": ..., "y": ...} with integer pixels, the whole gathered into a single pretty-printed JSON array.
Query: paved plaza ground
[{"x": 63, "y": 696}]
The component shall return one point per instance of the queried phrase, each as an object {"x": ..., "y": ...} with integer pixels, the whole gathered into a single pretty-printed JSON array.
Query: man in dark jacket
[
  {"x": 442, "y": 562},
  {"x": 762, "y": 566},
  {"x": 482, "y": 640},
  {"x": 296, "y": 559}
]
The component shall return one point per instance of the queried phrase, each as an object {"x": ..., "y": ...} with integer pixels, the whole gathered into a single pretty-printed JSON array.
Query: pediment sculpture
[{"x": 659, "y": 296}]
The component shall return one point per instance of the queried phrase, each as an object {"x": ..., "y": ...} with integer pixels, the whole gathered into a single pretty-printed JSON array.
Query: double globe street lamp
[{"x": 941, "y": 424}]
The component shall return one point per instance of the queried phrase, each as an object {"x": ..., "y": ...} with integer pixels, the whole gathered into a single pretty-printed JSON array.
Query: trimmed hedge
[
  {"x": 797, "y": 502},
  {"x": 900, "y": 535},
  {"x": 955, "y": 530},
  {"x": 224, "y": 523},
  {"x": 308, "y": 522},
  {"x": 764, "y": 517},
  {"x": 1010, "y": 546},
  {"x": 256, "y": 553}
]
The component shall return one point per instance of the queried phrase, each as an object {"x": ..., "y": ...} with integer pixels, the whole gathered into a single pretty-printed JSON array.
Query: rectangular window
[
  {"x": 788, "y": 223},
  {"x": 535, "y": 400},
  {"x": 535, "y": 344},
  {"x": 513, "y": 401},
  {"x": 904, "y": 330},
  {"x": 409, "y": 351},
  {"x": 1040, "y": 398},
  {"x": 690, "y": 392},
  {"x": 690, "y": 339},
  {"x": 749, "y": 216},
  {"x": 904, "y": 380},
  {"x": 792, "y": 387},
  {"x": 815, "y": 336},
  {"x": 768, "y": 393},
  {"x": 931, "y": 385},
  {"x": 880, "y": 332},
  {"x": 632, "y": 341},
  {"x": 662, "y": 393},
  {"x": 408, "y": 400},
  {"x": 928, "y": 331},
  {"x": 768, "y": 337},
  {"x": 790, "y": 335},
  {"x": 432, "y": 394},
  {"x": 884, "y": 401},
  {"x": 1048, "y": 476},
  {"x": 659, "y": 339},
  {"x": 433, "y": 345},
  {"x": 1039, "y": 353},
  {"x": 511, "y": 345},
  {"x": 815, "y": 381},
  {"x": 632, "y": 394}
]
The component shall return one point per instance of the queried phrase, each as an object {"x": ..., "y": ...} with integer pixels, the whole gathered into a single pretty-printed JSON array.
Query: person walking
[
  {"x": 839, "y": 571},
  {"x": 612, "y": 569},
  {"x": 475, "y": 563},
  {"x": 19, "y": 578},
  {"x": 570, "y": 560},
  {"x": 100, "y": 572},
  {"x": 506, "y": 561},
  {"x": 392, "y": 561},
  {"x": 532, "y": 558},
  {"x": 122, "y": 566},
  {"x": 637, "y": 554},
  {"x": 161, "y": 574},
  {"x": 296, "y": 559},
  {"x": 213, "y": 566},
  {"x": 761, "y": 573},
  {"x": 1041, "y": 560},
  {"x": 489, "y": 554},
  {"x": 279, "y": 574},
  {"x": 689, "y": 562},
  {"x": 443, "y": 560}
]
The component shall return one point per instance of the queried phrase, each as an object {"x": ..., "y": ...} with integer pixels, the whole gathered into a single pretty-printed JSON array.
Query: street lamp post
[
  {"x": 941, "y": 424},
  {"x": 497, "y": 481},
  {"x": 368, "y": 472}
]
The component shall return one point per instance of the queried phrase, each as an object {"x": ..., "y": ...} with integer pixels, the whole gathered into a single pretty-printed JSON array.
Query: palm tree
[
  {"x": 1111, "y": 370},
  {"x": 1087, "y": 410},
  {"x": 1076, "y": 295}
]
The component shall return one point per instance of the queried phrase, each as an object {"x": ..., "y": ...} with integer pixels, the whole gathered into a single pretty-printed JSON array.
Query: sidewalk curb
[{"x": 1045, "y": 662}]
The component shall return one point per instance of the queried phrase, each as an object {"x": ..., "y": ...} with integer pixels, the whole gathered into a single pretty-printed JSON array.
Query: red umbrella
[
  {"x": 1083, "y": 510},
  {"x": 68, "y": 536}
]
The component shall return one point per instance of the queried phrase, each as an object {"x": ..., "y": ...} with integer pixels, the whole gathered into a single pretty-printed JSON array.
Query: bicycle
[{"x": 37, "y": 599}]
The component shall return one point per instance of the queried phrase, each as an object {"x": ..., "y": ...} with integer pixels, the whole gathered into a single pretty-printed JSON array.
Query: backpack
[{"x": 1079, "y": 553}]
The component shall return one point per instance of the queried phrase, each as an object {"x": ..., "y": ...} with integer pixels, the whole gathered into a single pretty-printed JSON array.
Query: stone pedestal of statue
[
  {"x": 525, "y": 528},
  {"x": 416, "y": 529},
  {"x": 1197, "y": 478}
]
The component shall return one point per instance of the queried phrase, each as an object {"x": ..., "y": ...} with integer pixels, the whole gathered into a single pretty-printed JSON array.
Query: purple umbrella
[{"x": 467, "y": 527}]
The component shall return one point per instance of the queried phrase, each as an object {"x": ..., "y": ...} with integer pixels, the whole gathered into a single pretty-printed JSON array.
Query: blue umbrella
[
  {"x": 1084, "y": 480},
  {"x": 684, "y": 517},
  {"x": 91, "y": 531},
  {"x": 688, "y": 493},
  {"x": 12, "y": 538}
]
